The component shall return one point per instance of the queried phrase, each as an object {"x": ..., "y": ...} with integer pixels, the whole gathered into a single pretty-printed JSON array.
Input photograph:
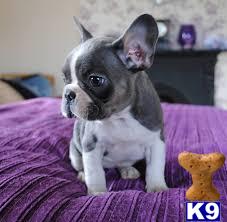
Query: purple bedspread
[{"x": 37, "y": 182}]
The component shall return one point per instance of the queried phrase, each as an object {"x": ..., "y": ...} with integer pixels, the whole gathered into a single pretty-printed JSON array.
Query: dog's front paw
[
  {"x": 96, "y": 193},
  {"x": 129, "y": 173},
  {"x": 156, "y": 187},
  {"x": 81, "y": 176}
]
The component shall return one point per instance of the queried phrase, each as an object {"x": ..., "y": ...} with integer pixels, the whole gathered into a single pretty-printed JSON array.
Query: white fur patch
[
  {"x": 155, "y": 160},
  {"x": 93, "y": 171},
  {"x": 75, "y": 54},
  {"x": 123, "y": 138}
]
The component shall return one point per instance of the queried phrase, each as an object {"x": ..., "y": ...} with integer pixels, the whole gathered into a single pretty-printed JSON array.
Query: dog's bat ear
[
  {"x": 84, "y": 33},
  {"x": 137, "y": 45}
]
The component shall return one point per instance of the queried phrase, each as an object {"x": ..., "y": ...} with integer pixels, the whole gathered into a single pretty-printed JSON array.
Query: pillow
[
  {"x": 9, "y": 94},
  {"x": 25, "y": 88}
]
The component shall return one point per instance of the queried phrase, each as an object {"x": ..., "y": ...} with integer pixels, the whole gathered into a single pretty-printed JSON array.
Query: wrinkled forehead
[{"x": 95, "y": 55}]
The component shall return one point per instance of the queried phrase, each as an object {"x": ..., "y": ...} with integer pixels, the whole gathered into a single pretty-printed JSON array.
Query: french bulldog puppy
[{"x": 119, "y": 116}]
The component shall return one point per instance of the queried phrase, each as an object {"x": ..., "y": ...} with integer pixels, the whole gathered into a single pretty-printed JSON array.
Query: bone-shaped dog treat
[{"x": 201, "y": 167}]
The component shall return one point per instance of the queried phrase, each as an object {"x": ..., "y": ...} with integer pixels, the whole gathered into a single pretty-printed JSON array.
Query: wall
[
  {"x": 35, "y": 36},
  {"x": 209, "y": 16}
]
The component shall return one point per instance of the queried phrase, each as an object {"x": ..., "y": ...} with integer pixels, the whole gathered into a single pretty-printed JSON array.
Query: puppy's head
[{"x": 98, "y": 73}]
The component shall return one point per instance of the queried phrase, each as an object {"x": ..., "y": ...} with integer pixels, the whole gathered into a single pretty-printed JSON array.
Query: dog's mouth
[
  {"x": 91, "y": 113},
  {"x": 68, "y": 111}
]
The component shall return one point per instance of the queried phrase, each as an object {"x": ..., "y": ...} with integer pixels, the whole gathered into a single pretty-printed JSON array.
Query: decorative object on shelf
[
  {"x": 215, "y": 42},
  {"x": 160, "y": 2},
  {"x": 187, "y": 36},
  {"x": 220, "y": 81},
  {"x": 163, "y": 38}
]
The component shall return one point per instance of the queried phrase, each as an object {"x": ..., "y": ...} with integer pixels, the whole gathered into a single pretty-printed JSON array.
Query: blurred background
[{"x": 190, "y": 64}]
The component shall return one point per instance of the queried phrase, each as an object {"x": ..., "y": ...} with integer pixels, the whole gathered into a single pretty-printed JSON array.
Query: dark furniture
[{"x": 184, "y": 76}]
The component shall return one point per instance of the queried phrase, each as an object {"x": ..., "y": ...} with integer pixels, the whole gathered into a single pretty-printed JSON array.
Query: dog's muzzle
[
  {"x": 68, "y": 111},
  {"x": 70, "y": 97},
  {"x": 75, "y": 106}
]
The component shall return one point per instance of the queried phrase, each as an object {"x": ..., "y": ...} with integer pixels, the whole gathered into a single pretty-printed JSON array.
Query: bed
[{"x": 37, "y": 182}]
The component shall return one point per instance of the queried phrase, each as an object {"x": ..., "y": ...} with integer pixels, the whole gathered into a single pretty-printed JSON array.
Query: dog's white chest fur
[{"x": 123, "y": 139}]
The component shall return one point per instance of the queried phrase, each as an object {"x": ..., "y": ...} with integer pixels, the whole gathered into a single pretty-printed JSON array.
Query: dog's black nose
[{"x": 70, "y": 95}]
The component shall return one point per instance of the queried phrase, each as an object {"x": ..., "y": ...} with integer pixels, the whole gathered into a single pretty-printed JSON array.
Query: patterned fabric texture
[{"x": 37, "y": 182}]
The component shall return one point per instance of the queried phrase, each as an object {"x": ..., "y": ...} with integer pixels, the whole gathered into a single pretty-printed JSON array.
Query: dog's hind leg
[{"x": 129, "y": 172}]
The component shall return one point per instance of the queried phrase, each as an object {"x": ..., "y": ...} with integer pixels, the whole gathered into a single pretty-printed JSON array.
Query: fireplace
[
  {"x": 170, "y": 94},
  {"x": 184, "y": 76}
]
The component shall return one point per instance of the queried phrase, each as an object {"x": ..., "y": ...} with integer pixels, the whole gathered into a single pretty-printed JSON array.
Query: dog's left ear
[
  {"x": 136, "y": 46},
  {"x": 84, "y": 33}
]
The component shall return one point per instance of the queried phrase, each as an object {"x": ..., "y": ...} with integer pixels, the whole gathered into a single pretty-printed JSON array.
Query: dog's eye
[
  {"x": 100, "y": 86},
  {"x": 96, "y": 81}
]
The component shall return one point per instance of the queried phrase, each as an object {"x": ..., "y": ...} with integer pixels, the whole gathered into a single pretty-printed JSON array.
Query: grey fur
[
  {"x": 90, "y": 143},
  {"x": 105, "y": 153},
  {"x": 162, "y": 136},
  {"x": 78, "y": 134},
  {"x": 67, "y": 71},
  {"x": 146, "y": 105}
]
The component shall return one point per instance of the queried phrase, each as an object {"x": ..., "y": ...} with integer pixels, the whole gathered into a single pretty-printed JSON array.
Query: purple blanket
[{"x": 37, "y": 182}]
